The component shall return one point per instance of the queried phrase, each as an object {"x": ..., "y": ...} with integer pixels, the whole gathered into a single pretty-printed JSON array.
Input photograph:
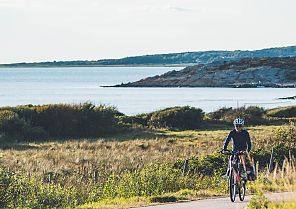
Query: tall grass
[
  {"x": 281, "y": 179},
  {"x": 153, "y": 180},
  {"x": 74, "y": 172}
]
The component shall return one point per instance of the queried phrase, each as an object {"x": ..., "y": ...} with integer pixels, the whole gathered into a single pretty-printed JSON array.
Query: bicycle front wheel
[
  {"x": 242, "y": 191},
  {"x": 232, "y": 186}
]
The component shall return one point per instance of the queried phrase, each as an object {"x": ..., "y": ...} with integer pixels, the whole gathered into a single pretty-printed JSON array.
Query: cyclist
[{"x": 240, "y": 142}]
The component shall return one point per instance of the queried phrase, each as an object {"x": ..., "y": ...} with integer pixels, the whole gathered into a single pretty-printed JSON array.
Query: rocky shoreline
[{"x": 276, "y": 72}]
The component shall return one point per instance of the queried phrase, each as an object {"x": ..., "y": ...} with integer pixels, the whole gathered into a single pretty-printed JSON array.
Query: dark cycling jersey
[{"x": 240, "y": 140}]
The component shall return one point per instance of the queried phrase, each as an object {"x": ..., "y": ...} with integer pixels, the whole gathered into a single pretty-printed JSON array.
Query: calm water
[{"x": 75, "y": 85}]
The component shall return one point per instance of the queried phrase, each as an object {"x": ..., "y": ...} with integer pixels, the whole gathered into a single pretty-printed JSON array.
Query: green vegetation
[
  {"x": 283, "y": 112},
  {"x": 129, "y": 162},
  {"x": 259, "y": 201},
  {"x": 252, "y": 115},
  {"x": 174, "y": 118},
  {"x": 36, "y": 122},
  {"x": 24, "y": 123},
  {"x": 182, "y": 195},
  {"x": 283, "y": 205},
  {"x": 17, "y": 191}
]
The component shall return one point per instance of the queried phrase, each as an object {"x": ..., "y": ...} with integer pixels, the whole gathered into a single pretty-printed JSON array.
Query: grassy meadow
[
  {"x": 117, "y": 153},
  {"x": 138, "y": 161}
]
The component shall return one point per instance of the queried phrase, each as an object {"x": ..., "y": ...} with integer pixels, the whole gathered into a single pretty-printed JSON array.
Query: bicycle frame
[
  {"x": 235, "y": 176},
  {"x": 235, "y": 162}
]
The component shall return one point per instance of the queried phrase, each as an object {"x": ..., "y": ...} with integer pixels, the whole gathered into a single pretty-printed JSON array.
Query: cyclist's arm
[
  {"x": 227, "y": 140},
  {"x": 249, "y": 144}
]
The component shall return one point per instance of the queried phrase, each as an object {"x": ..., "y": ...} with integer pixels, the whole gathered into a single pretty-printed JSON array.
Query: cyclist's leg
[{"x": 243, "y": 158}]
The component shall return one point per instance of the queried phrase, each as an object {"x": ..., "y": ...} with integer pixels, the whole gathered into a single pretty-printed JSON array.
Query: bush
[
  {"x": 252, "y": 115},
  {"x": 141, "y": 119},
  {"x": 205, "y": 165},
  {"x": 36, "y": 133},
  {"x": 177, "y": 118},
  {"x": 262, "y": 156},
  {"x": 286, "y": 136},
  {"x": 283, "y": 112},
  {"x": 59, "y": 120},
  {"x": 11, "y": 124},
  {"x": 219, "y": 114},
  {"x": 258, "y": 201}
]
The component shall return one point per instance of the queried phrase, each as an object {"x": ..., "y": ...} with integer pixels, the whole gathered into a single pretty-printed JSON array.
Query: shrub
[
  {"x": 141, "y": 119},
  {"x": 262, "y": 156},
  {"x": 205, "y": 165},
  {"x": 283, "y": 112},
  {"x": 59, "y": 120},
  {"x": 177, "y": 118},
  {"x": 252, "y": 115},
  {"x": 286, "y": 136},
  {"x": 98, "y": 120},
  {"x": 219, "y": 114},
  {"x": 280, "y": 153},
  {"x": 11, "y": 124},
  {"x": 258, "y": 201},
  {"x": 210, "y": 164},
  {"x": 36, "y": 133}
]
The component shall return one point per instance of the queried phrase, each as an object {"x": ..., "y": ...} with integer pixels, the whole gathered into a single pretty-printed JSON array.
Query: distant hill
[
  {"x": 247, "y": 72},
  {"x": 185, "y": 58}
]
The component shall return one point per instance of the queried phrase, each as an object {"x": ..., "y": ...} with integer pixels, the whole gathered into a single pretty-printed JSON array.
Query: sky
[{"x": 48, "y": 30}]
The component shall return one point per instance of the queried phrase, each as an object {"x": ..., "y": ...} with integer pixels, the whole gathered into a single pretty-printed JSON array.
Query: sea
[{"x": 74, "y": 85}]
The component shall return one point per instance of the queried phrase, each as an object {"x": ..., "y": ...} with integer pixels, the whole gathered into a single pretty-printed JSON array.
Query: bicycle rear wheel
[
  {"x": 242, "y": 191},
  {"x": 232, "y": 186}
]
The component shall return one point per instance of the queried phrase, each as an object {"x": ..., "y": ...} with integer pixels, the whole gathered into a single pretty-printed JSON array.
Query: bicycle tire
[
  {"x": 242, "y": 191},
  {"x": 232, "y": 186}
]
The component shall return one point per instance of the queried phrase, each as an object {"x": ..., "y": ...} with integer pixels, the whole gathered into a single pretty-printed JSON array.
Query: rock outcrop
[{"x": 248, "y": 72}]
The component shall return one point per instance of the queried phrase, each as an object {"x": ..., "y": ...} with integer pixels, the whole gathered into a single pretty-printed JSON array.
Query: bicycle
[{"x": 236, "y": 182}]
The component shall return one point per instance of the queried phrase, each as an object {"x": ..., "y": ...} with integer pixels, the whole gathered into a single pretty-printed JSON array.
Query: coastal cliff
[{"x": 247, "y": 72}]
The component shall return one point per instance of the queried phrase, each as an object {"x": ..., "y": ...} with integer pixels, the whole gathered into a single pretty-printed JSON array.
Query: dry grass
[
  {"x": 86, "y": 159},
  {"x": 129, "y": 151},
  {"x": 117, "y": 203},
  {"x": 124, "y": 203},
  {"x": 283, "y": 205},
  {"x": 280, "y": 179}
]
